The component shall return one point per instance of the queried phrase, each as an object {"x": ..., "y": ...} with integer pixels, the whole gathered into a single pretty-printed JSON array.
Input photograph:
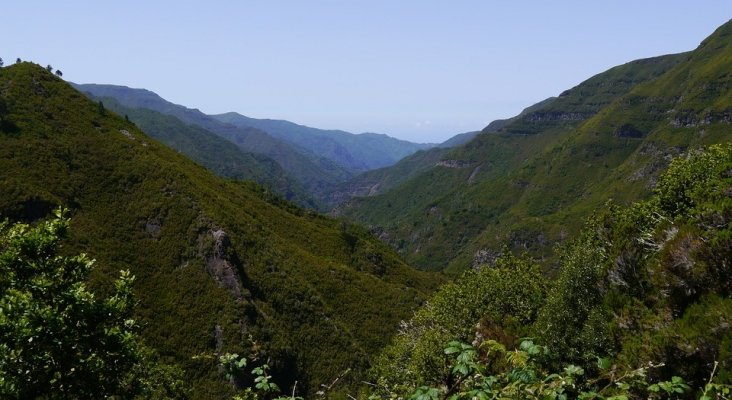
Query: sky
[{"x": 417, "y": 70}]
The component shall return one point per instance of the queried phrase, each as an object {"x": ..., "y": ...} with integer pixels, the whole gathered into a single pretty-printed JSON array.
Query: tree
[
  {"x": 3, "y": 108},
  {"x": 56, "y": 337},
  {"x": 1, "y": 62},
  {"x": 18, "y": 60},
  {"x": 49, "y": 68}
]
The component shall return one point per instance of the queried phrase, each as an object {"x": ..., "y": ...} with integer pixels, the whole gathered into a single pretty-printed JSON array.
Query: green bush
[
  {"x": 508, "y": 295},
  {"x": 57, "y": 340},
  {"x": 646, "y": 285}
]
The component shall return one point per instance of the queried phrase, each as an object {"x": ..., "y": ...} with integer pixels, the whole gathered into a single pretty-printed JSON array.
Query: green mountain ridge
[
  {"x": 529, "y": 183},
  {"x": 642, "y": 296},
  {"x": 214, "y": 152},
  {"x": 357, "y": 152},
  {"x": 315, "y": 173},
  {"x": 625, "y": 263},
  {"x": 218, "y": 262},
  {"x": 460, "y": 139},
  {"x": 379, "y": 181},
  {"x": 371, "y": 183}
]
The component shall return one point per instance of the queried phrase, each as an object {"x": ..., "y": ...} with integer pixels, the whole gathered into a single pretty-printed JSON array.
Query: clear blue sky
[{"x": 418, "y": 70}]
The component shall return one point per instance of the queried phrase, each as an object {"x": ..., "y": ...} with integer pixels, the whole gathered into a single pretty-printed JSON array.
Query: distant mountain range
[
  {"x": 219, "y": 263},
  {"x": 215, "y": 152},
  {"x": 224, "y": 265},
  {"x": 528, "y": 181},
  {"x": 316, "y": 161},
  {"x": 315, "y": 173},
  {"x": 358, "y": 153}
]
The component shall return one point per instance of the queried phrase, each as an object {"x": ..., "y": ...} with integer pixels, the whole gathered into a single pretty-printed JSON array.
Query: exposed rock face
[
  {"x": 471, "y": 178},
  {"x": 341, "y": 196},
  {"x": 659, "y": 160},
  {"x": 453, "y": 164},
  {"x": 692, "y": 120},
  {"x": 485, "y": 257},
  {"x": 219, "y": 262},
  {"x": 218, "y": 338},
  {"x": 126, "y": 134},
  {"x": 381, "y": 234},
  {"x": 152, "y": 227},
  {"x": 557, "y": 116}
]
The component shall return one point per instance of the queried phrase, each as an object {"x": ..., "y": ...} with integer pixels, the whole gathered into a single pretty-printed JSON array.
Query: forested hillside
[
  {"x": 214, "y": 152},
  {"x": 220, "y": 265},
  {"x": 355, "y": 152},
  {"x": 148, "y": 250},
  {"x": 315, "y": 173},
  {"x": 641, "y": 308},
  {"x": 530, "y": 183}
]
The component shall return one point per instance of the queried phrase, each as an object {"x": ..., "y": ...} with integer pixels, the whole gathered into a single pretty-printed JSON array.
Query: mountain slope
[
  {"x": 315, "y": 173},
  {"x": 218, "y": 263},
  {"x": 382, "y": 180},
  {"x": 645, "y": 286},
  {"x": 459, "y": 139},
  {"x": 213, "y": 151},
  {"x": 529, "y": 183},
  {"x": 362, "y": 152},
  {"x": 371, "y": 183}
]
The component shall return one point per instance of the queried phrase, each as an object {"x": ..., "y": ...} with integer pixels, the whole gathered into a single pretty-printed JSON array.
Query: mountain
[
  {"x": 315, "y": 173},
  {"x": 214, "y": 152},
  {"x": 382, "y": 180},
  {"x": 459, "y": 139},
  {"x": 362, "y": 152},
  {"x": 529, "y": 183},
  {"x": 221, "y": 265},
  {"x": 371, "y": 183},
  {"x": 643, "y": 296},
  {"x": 494, "y": 126}
]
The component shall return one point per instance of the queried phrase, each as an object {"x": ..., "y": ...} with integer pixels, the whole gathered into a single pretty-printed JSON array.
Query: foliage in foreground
[
  {"x": 644, "y": 285},
  {"x": 522, "y": 376},
  {"x": 56, "y": 339},
  {"x": 498, "y": 302}
]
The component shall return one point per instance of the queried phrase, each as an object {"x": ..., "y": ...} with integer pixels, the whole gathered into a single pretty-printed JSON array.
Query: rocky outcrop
[
  {"x": 218, "y": 338},
  {"x": 126, "y": 134},
  {"x": 485, "y": 257},
  {"x": 694, "y": 119},
  {"x": 471, "y": 178},
  {"x": 453, "y": 164},
  {"x": 221, "y": 261},
  {"x": 153, "y": 227}
]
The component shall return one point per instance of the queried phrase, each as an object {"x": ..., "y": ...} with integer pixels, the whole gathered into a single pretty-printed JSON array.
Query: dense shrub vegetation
[
  {"x": 57, "y": 340},
  {"x": 643, "y": 296},
  {"x": 241, "y": 293},
  {"x": 217, "y": 261}
]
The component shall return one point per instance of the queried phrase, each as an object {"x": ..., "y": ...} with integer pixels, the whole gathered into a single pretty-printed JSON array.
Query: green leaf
[
  {"x": 603, "y": 363},
  {"x": 573, "y": 370}
]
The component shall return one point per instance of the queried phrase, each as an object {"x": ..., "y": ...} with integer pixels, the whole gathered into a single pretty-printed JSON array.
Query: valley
[{"x": 580, "y": 249}]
